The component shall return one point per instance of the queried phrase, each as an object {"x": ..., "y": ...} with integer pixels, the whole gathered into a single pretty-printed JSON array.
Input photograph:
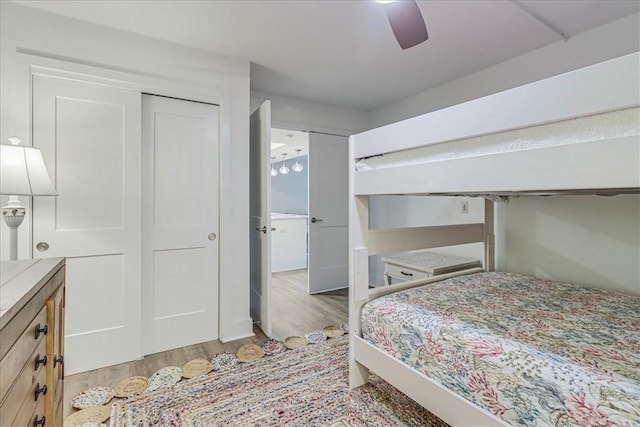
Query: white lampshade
[{"x": 23, "y": 173}]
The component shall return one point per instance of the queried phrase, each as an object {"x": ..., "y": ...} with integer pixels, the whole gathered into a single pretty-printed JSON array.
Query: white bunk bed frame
[{"x": 567, "y": 169}]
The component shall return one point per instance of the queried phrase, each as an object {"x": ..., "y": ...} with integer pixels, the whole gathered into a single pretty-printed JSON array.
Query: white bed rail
[
  {"x": 602, "y": 166},
  {"x": 406, "y": 239},
  {"x": 396, "y": 287},
  {"x": 450, "y": 407},
  {"x": 607, "y": 86}
]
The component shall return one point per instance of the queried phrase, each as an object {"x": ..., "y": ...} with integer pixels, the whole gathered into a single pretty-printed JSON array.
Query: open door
[
  {"x": 328, "y": 213},
  {"x": 260, "y": 211}
]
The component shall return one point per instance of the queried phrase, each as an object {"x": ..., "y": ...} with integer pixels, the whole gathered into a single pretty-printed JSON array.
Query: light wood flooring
[{"x": 294, "y": 312}]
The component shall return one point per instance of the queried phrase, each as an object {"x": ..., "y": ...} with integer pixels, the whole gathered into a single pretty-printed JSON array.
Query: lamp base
[{"x": 13, "y": 215}]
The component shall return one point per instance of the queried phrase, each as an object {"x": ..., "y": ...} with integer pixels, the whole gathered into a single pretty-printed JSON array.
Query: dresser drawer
[
  {"x": 26, "y": 344},
  {"x": 404, "y": 273},
  {"x": 29, "y": 410},
  {"x": 20, "y": 403}
]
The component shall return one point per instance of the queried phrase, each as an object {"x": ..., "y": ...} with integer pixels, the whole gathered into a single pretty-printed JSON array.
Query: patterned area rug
[{"x": 307, "y": 386}]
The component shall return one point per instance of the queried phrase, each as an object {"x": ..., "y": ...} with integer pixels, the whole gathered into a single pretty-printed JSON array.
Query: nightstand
[{"x": 421, "y": 264}]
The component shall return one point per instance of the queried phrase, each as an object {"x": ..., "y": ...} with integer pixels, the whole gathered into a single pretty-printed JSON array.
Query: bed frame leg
[{"x": 358, "y": 373}]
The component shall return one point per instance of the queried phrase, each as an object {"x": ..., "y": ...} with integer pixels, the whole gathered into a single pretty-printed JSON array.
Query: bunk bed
[{"x": 440, "y": 339}]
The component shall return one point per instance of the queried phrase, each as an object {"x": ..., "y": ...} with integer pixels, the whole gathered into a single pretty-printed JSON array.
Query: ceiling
[
  {"x": 342, "y": 52},
  {"x": 287, "y": 142}
]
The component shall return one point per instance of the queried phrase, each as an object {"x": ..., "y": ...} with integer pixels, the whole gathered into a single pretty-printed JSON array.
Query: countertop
[
  {"x": 18, "y": 280},
  {"x": 277, "y": 215}
]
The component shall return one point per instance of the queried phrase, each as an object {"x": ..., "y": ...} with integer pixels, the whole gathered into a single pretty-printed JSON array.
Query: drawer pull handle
[
  {"x": 39, "y": 422},
  {"x": 39, "y": 360},
  {"x": 39, "y": 390},
  {"x": 406, "y": 274},
  {"x": 41, "y": 330},
  {"x": 57, "y": 359}
]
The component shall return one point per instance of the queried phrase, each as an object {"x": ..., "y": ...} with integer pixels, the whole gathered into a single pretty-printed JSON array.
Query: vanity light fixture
[
  {"x": 274, "y": 171},
  {"x": 297, "y": 166},
  {"x": 284, "y": 169}
]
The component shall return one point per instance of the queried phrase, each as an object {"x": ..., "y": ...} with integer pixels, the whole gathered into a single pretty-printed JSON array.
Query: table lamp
[{"x": 22, "y": 173}]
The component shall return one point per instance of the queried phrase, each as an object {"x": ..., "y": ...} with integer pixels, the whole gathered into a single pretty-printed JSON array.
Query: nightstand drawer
[
  {"x": 404, "y": 273},
  {"x": 416, "y": 265}
]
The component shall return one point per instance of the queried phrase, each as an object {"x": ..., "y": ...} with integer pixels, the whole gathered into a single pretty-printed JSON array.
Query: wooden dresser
[{"x": 32, "y": 342}]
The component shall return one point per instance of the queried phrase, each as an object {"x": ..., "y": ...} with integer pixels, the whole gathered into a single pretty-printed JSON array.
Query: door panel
[
  {"x": 100, "y": 190},
  {"x": 328, "y": 195},
  {"x": 184, "y": 266},
  {"x": 107, "y": 291},
  {"x": 260, "y": 209},
  {"x": 89, "y": 135},
  {"x": 180, "y": 207}
]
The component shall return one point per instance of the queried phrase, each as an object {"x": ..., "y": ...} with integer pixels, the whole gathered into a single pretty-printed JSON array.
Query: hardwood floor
[{"x": 294, "y": 312}]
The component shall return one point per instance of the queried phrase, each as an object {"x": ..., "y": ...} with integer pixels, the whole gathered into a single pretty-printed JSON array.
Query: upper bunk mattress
[
  {"x": 533, "y": 352},
  {"x": 597, "y": 127}
]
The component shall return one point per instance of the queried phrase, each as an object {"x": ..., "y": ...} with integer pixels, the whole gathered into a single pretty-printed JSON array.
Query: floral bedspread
[{"x": 533, "y": 352}]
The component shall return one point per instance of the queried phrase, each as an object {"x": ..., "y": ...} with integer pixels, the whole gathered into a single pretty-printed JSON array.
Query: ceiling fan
[{"x": 406, "y": 22}]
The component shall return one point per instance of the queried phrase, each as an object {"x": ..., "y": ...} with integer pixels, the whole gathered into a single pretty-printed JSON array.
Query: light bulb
[
  {"x": 297, "y": 167},
  {"x": 274, "y": 172},
  {"x": 284, "y": 169}
]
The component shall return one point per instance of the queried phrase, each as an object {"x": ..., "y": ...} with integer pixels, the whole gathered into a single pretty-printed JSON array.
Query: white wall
[
  {"x": 297, "y": 114},
  {"x": 589, "y": 240},
  {"x": 609, "y": 41},
  {"x": 31, "y": 35}
]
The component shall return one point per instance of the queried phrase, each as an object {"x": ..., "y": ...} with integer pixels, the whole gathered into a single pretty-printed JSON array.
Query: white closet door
[
  {"x": 328, "y": 213},
  {"x": 90, "y": 138},
  {"x": 180, "y": 211}
]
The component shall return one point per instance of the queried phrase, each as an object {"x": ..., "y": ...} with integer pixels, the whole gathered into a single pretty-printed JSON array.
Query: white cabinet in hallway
[{"x": 288, "y": 242}]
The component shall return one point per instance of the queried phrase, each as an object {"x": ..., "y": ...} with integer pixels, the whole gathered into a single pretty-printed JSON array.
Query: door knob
[
  {"x": 314, "y": 220},
  {"x": 212, "y": 236},
  {"x": 42, "y": 246}
]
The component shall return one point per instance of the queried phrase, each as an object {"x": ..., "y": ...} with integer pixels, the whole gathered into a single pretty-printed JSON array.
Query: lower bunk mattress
[{"x": 533, "y": 352}]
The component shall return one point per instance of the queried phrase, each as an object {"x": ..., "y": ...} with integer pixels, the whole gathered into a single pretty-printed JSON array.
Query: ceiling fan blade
[{"x": 407, "y": 23}]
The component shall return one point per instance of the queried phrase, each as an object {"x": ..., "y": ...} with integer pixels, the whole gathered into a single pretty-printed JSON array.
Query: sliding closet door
[
  {"x": 180, "y": 211},
  {"x": 90, "y": 138}
]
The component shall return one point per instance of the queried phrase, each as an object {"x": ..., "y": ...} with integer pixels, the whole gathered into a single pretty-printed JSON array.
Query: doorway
[{"x": 301, "y": 303}]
